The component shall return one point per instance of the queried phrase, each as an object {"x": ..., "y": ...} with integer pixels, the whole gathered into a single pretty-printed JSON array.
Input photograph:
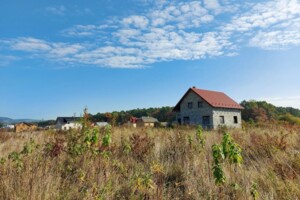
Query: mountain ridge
[{"x": 7, "y": 120}]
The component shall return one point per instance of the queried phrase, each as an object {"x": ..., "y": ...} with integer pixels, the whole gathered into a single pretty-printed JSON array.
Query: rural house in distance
[
  {"x": 210, "y": 109},
  {"x": 146, "y": 122},
  {"x": 24, "y": 126},
  {"x": 66, "y": 123}
]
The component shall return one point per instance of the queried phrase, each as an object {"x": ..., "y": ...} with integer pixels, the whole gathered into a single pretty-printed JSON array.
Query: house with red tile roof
[{"x": 210, "y": 109}]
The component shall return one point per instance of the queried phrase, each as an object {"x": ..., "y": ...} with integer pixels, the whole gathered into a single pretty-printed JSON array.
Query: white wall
[{"x": 71, "y": 125}]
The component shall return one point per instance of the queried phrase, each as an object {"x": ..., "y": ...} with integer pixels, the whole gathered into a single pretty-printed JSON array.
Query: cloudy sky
[{"x": 57, "y": 57}]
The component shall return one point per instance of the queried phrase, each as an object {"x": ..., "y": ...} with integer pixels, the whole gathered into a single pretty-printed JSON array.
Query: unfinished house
[{"x": 210, "y": 109}]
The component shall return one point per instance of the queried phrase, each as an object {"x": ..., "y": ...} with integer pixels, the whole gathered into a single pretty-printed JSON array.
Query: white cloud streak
[
  {"x": 57, "y": 10},
  {"x": 5, "y": 60},
  {"x": 275, "y": 40},
  {"x": 265, "y": 15}
]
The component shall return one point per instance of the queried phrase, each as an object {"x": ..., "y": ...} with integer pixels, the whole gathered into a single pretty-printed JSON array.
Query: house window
[
  {"x": 235, "y": 119},
  {"x": 222, "y": 121},
  {"x": 205, "y": 120},
  {"x": 186, "y": 120},
  {"x": 200, "y": 104},
  {"x": 190, "y": 105}
]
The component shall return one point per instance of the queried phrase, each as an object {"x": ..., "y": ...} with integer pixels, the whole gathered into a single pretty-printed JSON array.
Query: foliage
[
  {"x": 253, "y": 191},
  {"x": 290, "y": 119},
  {"x": 163, "y": 114},
  {"x": 219, "y": 174},
  {"x": 46, "y": 123},
  {"x": 227, "y": 150},
  {"x": 261, "y": 111},
  {"x": 29, "y": 147},
  {"x": 199, "y": 136},
  {"x": 107, "y": 137}
]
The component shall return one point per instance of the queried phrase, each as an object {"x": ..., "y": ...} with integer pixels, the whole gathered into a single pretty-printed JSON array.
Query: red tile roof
[{"x": 213, "y": 98}]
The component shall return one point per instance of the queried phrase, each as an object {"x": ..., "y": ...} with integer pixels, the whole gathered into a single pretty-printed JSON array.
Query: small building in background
[
  {"x": 67, "y": 123},
  {"x": 24, "y": 126},
  {"x": 102, "y": 124},
  {"x": 132, "y": 121},
  {"x": 9, "y": 126},
  {"x": 146, "y": 122},
  {"x": 164, "y": 124}
]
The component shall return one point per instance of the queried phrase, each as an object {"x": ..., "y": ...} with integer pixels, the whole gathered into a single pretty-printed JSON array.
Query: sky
[{"x": 58, "y": 57}]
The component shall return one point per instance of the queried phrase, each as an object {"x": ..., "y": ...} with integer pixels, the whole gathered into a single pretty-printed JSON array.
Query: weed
[
  {"x": 199, "y": 136},
  {"x": 253, "y": 191}
]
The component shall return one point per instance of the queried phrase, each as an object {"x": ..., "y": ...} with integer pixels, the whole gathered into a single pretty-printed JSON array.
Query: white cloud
[
  {"x": 184, "y": 15},
  {"x": 268, "y": 25},
  {"x": 136, "y": 21},
  {"x": 58, "y": 10},
  {"x": 212, "y": 4},
  {"x": 6, "y": 60},
  {"x": 73, "y": 10},
  {"x": 41, "y": 48},
  {"x": 87, "y": 30},
  {"x": 173, "y": 30},
  {"x": 275, "y": 39},
  {"x": 29, "y": 44},
  {"x": 139, "y": 40},
  {"x": 62, "y": 50},
  {"x": 81, "y": 30},
  {"x": 264, "y": 15}
]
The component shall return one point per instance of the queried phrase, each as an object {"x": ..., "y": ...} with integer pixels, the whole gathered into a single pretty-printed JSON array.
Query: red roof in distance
[{"x": 213, "y": 98}]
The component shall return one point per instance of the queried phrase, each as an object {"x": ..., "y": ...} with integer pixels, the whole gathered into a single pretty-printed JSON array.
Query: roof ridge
[{"x": 208, "y": 90}]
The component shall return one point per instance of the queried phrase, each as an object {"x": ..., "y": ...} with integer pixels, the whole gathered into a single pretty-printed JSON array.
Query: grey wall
[
  {"x": 228, "y": 117},
  {"x": 195, "y": 114}
]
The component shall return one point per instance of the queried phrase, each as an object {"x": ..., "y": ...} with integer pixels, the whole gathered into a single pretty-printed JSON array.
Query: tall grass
[{"x": 148, "y": 164}]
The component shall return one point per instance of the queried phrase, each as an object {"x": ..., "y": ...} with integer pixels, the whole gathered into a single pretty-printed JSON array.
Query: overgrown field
[{"x": 128, "y": 163}]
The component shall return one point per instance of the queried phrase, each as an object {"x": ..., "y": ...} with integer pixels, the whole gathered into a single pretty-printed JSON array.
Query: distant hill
[{"x": 6, "y": 120}]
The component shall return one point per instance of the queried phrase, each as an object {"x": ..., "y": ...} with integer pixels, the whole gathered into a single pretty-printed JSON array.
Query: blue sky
[{"x": 57, "y": 57}]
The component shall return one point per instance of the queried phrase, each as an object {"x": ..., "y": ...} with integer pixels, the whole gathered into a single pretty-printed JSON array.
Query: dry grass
[{"x": 148, "y": 164}]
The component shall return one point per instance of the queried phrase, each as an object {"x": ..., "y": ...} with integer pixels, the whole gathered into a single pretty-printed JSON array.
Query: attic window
[
  {"x": 190, "y": 105},
  {"x": 200, "y": 104}
]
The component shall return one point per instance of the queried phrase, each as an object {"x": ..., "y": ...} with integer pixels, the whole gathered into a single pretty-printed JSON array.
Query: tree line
[
  {"x": 254, "y": 112},
  {"x": 261, "y": 111}
]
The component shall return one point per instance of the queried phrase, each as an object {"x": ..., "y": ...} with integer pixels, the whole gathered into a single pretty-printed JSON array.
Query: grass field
[{"x": 129, "y": 163}]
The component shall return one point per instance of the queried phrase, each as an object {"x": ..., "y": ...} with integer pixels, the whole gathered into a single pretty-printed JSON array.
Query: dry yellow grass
[{"x": 148, "y": 164}]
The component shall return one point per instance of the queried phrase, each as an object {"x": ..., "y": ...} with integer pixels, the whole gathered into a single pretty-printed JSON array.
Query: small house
[
  {"x": 67, "y": 123},
  {"x": 9, "y": 126},
  {"x": 210, "y": 109},
  {"x": 146, "y": 122},
  {"x": 132, "y": 122},
  {"x": 24, "y": 126},
  {"x": 102, "y": 124}
]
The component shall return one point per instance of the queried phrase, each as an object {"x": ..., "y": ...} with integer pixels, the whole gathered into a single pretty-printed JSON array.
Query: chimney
[{"x": 194, "y": 87}]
